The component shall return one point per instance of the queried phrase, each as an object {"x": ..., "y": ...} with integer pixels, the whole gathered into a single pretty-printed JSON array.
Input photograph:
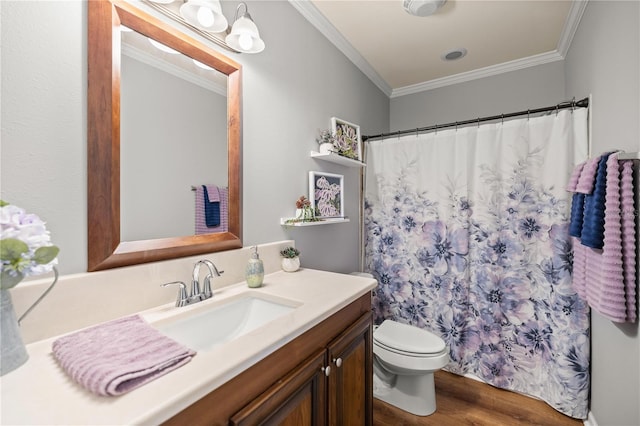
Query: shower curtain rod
[{"x": 583, "y": 103}]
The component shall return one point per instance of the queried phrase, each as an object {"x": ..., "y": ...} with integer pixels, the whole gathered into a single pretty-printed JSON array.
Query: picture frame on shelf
[
  {"x": 347, "y": 138},
  {"x": 326, "y": 193}
]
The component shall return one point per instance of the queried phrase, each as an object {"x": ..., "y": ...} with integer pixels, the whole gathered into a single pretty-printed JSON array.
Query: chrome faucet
[
  {"x": 206, "y": 292},
  {"x": 196, "y": 295}
]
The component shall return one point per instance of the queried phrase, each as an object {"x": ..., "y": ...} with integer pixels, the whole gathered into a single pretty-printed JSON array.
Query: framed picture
[
  {"x": 326, "y": 193},
  {"x": 347, "y": 138}
]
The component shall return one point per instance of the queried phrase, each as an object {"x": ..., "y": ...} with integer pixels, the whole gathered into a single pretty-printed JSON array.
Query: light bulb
[
  {"x": 205, "y": 17},
  {"x": 245, "y": 41}
]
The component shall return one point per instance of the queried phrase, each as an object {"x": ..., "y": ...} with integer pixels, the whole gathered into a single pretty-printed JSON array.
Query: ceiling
[{"x": 402, "y": 53}]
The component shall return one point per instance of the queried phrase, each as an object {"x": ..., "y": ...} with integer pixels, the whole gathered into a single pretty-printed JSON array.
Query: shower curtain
[{"x": 466, "y": 231}]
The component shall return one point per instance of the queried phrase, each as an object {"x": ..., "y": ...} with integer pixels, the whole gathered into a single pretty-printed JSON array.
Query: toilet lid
[{"x": 407, "y": 338}]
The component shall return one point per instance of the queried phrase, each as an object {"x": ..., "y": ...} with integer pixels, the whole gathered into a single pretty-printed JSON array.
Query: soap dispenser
[{"x": 254, "y": 273}]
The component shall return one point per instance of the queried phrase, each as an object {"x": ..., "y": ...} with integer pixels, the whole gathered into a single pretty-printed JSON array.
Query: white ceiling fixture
[
  {"x": 454, "y": 54},
  {"x": 422, "y": 8}
]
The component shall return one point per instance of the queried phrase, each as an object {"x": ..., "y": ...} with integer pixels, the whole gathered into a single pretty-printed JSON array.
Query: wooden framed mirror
[{"x": 106, "y": 248}]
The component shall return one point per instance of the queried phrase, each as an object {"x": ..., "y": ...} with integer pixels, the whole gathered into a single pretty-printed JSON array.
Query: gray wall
[
  {"x": 291, "y": 90},
  {"x": 520, "y": 90},
  {"x": 604, "y": 60}
]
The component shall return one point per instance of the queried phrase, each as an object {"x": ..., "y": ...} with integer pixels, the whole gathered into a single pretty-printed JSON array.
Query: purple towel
[
  {"x": 629, "y": 238},
  {"x": 118, "y": 356},
  {"x": 221, "y": 195},
  {"x": 575, "y": 175},
  {"x": 587, "y": 176},
  {"x": 606, "y": 277}
]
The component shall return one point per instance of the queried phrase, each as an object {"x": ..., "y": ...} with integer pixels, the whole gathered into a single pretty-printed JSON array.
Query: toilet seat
[{"x": 404, "y": 339}]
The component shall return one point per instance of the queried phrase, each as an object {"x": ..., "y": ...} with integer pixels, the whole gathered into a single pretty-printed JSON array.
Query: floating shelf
[
  {"x": 283, "y": 221},
  {"x": 338, "y": 159}
]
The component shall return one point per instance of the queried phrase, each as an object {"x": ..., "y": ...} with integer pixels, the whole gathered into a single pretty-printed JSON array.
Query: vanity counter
[{"x": 39, "y": 392}]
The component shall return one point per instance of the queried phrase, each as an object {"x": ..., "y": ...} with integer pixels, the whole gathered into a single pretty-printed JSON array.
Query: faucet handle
[
  {"x": 206, "y": 291},
  {"x": 183, "y": 297}
]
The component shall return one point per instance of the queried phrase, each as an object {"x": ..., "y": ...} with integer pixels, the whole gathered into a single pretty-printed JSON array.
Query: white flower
[{"x": 25, "y": 246}]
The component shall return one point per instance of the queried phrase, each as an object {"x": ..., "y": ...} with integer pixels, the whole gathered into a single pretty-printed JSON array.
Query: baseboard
[{"x": 591, "y": 420}]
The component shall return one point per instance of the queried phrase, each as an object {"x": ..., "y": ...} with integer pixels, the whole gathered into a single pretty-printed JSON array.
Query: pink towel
[
  {"x": 606, "y": 277},
  {"x": 575, "y": 175},
  {"x": 588, "y": 176},
  {"x": 629, "y": 237},
  {"x": 215, "y": 194},
  {"x": 118, "y": 356}
]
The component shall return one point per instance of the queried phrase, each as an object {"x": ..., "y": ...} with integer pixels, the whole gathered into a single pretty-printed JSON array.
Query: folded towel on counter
[
  {"x": 118, "y": 356},
  {"x": 211, "y": 205}
]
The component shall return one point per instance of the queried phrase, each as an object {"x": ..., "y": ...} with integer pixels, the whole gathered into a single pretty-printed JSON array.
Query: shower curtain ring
[
  {"x": 557, "y": 108},
  {"x": 502, "y": 119},
  {"x": 528, "y": 111},
  {"x": 456, "y": 126},
  {"x": 478, "y": 122},
  {"x": 417, "y": 129}
]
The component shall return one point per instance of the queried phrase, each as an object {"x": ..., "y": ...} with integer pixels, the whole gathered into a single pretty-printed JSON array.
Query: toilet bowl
[{"x": 404, "y": 360}]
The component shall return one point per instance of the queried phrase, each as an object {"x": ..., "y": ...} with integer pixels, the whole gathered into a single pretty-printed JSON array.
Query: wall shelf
[
  {"x": 338, "y": 159},
  {"x": 328, "y": 221}
]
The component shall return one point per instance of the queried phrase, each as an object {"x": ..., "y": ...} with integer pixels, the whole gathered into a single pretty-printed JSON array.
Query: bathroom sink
[{"x": 210, "y": 326}]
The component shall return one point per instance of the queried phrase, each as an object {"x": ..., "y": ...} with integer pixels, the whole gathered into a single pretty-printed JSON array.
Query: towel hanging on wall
[{"x": 604, "y": 267}]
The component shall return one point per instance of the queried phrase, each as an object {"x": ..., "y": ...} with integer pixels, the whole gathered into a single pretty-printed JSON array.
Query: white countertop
[{"x": 40, "y": 393}]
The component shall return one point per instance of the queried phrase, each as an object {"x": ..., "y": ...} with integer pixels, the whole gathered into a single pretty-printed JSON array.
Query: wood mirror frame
[{"x": 105, "y": 250}]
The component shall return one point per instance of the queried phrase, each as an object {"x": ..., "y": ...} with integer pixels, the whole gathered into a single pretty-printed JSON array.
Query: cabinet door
[
  {"x": 351, "y": 378},
  {"x": 296, "y": 400}
]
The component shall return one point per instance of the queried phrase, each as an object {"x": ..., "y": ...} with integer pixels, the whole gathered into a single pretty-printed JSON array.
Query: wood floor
[{"x": 462, "y": 401}]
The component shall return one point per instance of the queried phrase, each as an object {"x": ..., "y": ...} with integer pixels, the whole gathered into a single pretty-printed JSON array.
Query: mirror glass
[
  {"x": 173, "y": 138},
  {"x": 151, "y": 141}
]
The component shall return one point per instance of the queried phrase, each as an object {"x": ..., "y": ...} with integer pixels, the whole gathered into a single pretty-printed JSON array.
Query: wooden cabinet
[
  {"x": 323, "y": 377},
  {"x": 333, "y": 387},
  {"x": 350, "y": 389}
]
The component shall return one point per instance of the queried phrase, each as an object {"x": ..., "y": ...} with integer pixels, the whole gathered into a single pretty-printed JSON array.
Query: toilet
[{"x": 404, "y": 360}]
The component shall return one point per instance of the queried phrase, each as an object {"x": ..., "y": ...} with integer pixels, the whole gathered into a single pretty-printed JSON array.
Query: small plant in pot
[
  {"x": 290, "y": 259},
  {"x": 325, "y": 141}
]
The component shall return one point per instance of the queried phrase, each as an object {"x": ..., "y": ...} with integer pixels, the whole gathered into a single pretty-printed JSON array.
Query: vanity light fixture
[
  {"x": 204, "y": 14},
  {"x": 205, "y": 18},
  {"x": 244, "y": 35}
]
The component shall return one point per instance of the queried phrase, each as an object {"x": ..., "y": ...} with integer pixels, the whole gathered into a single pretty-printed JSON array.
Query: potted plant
[
  {"x": 325, "y": 141},
  {"x": 290, "y": 259},
  {"x": 25, "y": 250}
]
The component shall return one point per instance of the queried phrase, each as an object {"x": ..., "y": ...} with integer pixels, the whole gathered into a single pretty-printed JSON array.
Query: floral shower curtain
[{"x": 466, "y": 231}]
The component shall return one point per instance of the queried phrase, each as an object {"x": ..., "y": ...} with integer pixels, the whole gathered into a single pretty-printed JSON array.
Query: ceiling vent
[{"x": 422, "y": 7}]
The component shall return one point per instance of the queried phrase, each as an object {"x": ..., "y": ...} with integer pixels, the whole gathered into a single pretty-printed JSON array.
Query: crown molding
[
  {"x": 313, "y": 15},
  {"x": 571, "y": 25},
  {"x": 517, "y": 64},
  {"x": 322, "y": 24}
]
